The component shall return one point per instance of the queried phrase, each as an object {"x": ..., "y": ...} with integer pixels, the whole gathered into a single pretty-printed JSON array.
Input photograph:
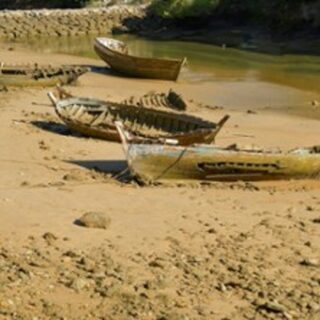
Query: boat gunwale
[
  {"x": 202, "y": 148},
  {"x": 99, "y": 104},
  {"x": 181, "y": 61}
]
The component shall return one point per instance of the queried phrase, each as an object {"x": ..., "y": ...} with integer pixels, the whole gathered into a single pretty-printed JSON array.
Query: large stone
[{"x": 95, "y": 220}]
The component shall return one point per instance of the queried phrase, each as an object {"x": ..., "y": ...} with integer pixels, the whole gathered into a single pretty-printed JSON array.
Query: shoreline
[{"x": 271, "y": 97}]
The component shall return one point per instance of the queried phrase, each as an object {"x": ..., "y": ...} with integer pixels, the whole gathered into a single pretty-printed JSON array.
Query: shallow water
[
  {"x": 284, "y": 82},
  {"x": 206, "y": 62}
]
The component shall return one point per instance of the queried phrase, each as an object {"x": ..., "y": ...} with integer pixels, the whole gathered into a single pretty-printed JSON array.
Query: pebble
[
  {"x": 79, "y": 284},
  {"x": 310, "y": 262},
  {"x": 315, "y": 307},
  {"x": 272, "y": 306},
  {"x": 316, "y": 220},
  {"x": 49, "y": 237}
]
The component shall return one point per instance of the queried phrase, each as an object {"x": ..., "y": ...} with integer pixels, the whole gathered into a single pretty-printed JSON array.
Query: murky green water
[{"x": 207, "y": 63}]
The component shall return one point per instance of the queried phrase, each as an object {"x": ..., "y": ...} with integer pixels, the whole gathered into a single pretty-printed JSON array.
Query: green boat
[{"x": 162, "y": 161}]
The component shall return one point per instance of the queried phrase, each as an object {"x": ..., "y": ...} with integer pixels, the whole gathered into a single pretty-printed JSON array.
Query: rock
[
  {"x": 71, "y": 254},
  {"x": 88, "y": 264},
  {"x": 72, "y": 177},
  {"x": 221, "y": 287},
  {"x": 156, "y": 263},
  {"x": 79, "y": 284},
  {"x": 272, "y": 306},
  {"x": 315, "y": 307},
  {"x": 95, "y": 220},
  {"x": 316, "y": 220},
  {"x": 43, "y": 145},
  {"x": 310, "y": 262},
  {"x": 49, "y": 237},
  {"x": 315, "y": 103}
]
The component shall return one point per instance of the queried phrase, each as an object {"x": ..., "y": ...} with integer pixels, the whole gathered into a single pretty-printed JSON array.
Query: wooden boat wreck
[
  {"x": 95, "y": 118},
  {"x": 169, "y": 100},
  {"x": 116, "y": 54},
  {"x": 39, "y": 75},
  {"x": 151, "y": 162}
]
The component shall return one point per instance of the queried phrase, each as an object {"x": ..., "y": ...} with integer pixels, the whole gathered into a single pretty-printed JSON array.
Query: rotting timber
[
  {"x": 39, "y": 75},
  {"x": 151, "y": 162},
  {"x": 169, "y": 100},
  {"x": 95, "y": 118},
  {"x": 116, "y": 54}
]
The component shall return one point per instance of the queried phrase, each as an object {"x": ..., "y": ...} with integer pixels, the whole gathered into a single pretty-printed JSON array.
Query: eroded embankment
[{"x": 29, "y": 23}]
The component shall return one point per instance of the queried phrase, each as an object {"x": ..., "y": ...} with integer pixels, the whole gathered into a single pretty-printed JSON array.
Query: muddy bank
[{"x": 31, "y": 23}]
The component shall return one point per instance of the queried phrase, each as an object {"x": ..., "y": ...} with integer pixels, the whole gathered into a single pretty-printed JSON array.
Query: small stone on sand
[
  {"x": 95, "y": 220},
  {"x": 49, "y": 237},
  {"x": 310, "y": 262}
]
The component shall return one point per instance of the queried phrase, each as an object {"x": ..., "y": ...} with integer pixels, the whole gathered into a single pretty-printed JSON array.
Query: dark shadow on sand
[
  {"x": 55, "y": 127},
  {"x": 108, "y": 71},
  {"x": 104, "y": 70},
  {"x": 78, "y": 223},
  {"x": 105, "y": 166}
]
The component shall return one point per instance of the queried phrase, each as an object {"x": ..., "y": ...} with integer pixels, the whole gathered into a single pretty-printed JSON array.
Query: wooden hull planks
[
  {"x": 159, "y": 162},
  {"x": 115, "y": 54},
  {"x": 39, "y": 75},
  {"x": 95, "y": 118},
  {"x": 169, "y": 100}
]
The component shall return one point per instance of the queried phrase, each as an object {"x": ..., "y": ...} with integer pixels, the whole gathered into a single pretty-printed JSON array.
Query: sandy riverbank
[{"x": 228, "y": 251}]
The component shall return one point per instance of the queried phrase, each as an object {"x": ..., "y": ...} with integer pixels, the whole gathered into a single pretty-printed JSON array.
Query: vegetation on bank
[
  {"x": 183, "y": 8},
  {"x": 277, "y": 13}
]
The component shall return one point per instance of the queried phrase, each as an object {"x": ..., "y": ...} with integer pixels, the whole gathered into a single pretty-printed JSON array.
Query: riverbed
[
  {"x": 233, "y": 250},
  {"x": 219, "y": 75}
]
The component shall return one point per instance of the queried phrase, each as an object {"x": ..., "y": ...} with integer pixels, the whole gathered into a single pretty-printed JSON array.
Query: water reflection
[{"x": 206, "y": 63}]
